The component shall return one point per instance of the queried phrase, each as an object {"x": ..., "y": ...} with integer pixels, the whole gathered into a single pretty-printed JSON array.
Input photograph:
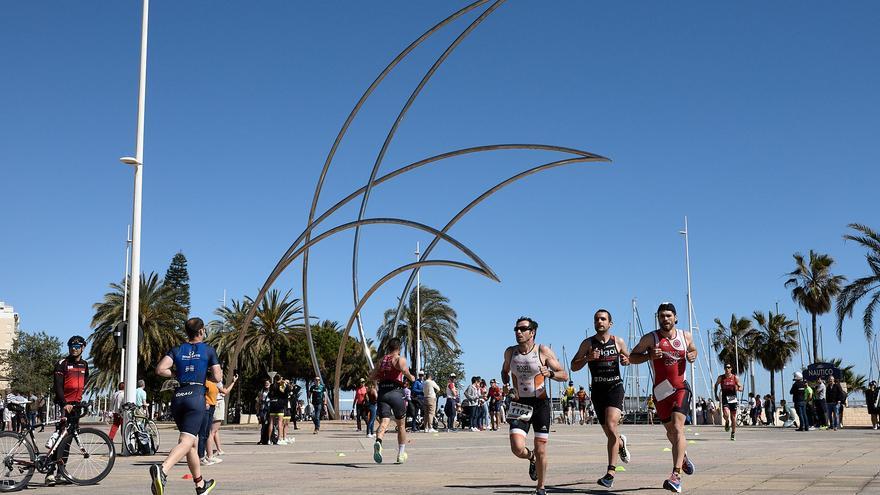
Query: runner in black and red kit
[
  {"x": 604, "y": 353},
  {"x": 730, "y": 385},
  {"x": 670, "y": 349},
  {"x": 389, "y": 373},
  {"x": 71, "y": 375}
]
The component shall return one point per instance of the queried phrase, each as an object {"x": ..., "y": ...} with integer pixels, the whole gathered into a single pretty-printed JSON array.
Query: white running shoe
[{"x": 623, "y": 450}]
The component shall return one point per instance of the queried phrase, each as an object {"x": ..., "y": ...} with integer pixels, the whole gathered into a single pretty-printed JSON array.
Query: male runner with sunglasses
[
  {"x": 730, "y": 385},
  {"x": 531, "y": 365}
]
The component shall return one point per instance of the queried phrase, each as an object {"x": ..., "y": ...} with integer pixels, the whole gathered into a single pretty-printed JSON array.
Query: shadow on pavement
[
  {"x": 359, "y": 465},
  {"x": 566, "y": 488}
]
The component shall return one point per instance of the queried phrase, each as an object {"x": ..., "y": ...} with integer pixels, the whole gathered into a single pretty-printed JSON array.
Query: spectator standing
[
  {"x": 372, "y": 405},
  {"x": 484, "y": 405},
  {"x": 430, "y": 390},
  {"x": 211, "y": 392},
  {"x": 871, "y": 397},
  {"x": 798, "y": 393},
  {"x": 215, "y": 448},
  {"x": 769, "y": 410},
  {"x": 140, "y": 395},
  {"x": 116, "y": 406},
  {"x": 836, "y": 397},
  {"x": 712, "y": 409},
  {"x": 809, "y": 395},
  {"x": 262, "y": 407},
  {"x": 277, "y": 401},
  {"x": 450, "y": 407},
  {"x": 820, "y": 402},
  {"x": 651, "y": 408},
  {"x": 495, "y": 401},
  {"x": 472, "y": 401},
  {"x": 417, "y": 395}
]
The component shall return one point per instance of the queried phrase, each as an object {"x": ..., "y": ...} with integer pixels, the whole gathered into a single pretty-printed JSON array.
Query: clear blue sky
[{"x": 758, "y": 121}]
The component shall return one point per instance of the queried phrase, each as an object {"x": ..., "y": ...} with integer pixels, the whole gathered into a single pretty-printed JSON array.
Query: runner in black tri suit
[
  {"x": 604, "y": 353},
  {"x": 730, "y": 386},
  {"x": 194, "y": 362},
  {"x": 389, "y": 373}
]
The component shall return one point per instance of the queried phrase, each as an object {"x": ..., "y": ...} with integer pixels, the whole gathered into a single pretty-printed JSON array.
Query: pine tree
[{"x": 178, "y": 278}]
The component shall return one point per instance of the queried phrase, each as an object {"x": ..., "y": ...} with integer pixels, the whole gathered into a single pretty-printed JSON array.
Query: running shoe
[
  {"x": 158, "y": 479},
  {"x": 50, "y": 479},
  {"x": 533, "y": 470},
  {"x": 673, "y": 483},
  {"x": 540, "y": 491},
  {"x": 688, "y": 467},
  {"x": 726, "y": 426},
  {"x": 732, "y": 437},
  {"x": 607, "y": 481},
  {"x": 377, "y": 452},
  {"x": 401, "y": 458},
  {"x": 623, "y": 451},
  {"x": 206, "y": 488}
]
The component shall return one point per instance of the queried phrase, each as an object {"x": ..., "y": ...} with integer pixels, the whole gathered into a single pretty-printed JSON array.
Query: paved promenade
[{"x": 339, "y": 461}]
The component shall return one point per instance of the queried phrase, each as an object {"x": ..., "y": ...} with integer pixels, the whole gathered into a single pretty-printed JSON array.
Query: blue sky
[{"x": 758, "y": 121}]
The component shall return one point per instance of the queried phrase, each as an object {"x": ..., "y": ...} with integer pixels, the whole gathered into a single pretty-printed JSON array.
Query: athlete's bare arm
[
  {"x": 505, "y": 368},
  {"x": 715, "y": 388},
  {"x": 582, "y": 355},
  {"x": 552, "y": 367},
  {"x": 404, "y": 368},
  {"x": 163, "y": 369},
  {"x": 643, "y": 351},
  {"x": 739, "y": 385},
  {"x": 622, "y": 350},
  {"x": 691, "y": 348}
]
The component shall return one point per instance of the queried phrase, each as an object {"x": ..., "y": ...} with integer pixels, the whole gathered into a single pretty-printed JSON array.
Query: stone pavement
[{"x": 339, "y": 461}]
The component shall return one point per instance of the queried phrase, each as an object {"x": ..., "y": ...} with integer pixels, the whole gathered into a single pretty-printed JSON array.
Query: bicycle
[
  {"x": 82, "y": 456},
  {"x": 140, "y": 435}
]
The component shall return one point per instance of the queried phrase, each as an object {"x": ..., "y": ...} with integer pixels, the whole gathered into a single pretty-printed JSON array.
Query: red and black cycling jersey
[{"x": 70, "y": 380}]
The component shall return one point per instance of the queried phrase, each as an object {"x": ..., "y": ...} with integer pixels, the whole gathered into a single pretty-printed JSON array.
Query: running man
[
  {"x": 389, "y": 373},
  {"x": 604, "y": 353},
  {"x": 730, "y": 385},
  {"x": 193, "y": 361},
  {"x": 568, "y": 403},
  {"x": 531, "y": 365},
  {"x": 670, "y": 349},
  {"x": 582, "y": 398}
]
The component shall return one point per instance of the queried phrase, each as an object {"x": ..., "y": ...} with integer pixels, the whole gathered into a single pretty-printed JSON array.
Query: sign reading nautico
[{"x": 821, "y": 370}]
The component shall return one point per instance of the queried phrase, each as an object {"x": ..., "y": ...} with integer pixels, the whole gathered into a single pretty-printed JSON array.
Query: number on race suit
[
  {"x": 519, "y": 412},
  {"x": 663, "y": 390},
  {"x": 731, "y": 399}
]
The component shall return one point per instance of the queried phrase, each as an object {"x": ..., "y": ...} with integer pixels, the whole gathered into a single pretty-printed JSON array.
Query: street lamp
[{"x": 131, "y": 338}]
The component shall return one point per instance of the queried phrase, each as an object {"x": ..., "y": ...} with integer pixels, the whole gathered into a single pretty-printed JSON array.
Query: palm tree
[
  {"x": 160, "y": 315},
  {"x": 438, "y": 324},
  {"x": 853, "y": 293},
  {"x": 223, "y": 334},
  {"x": 276, "y": 319},
  {"x": 776, "y": 343},
  {"x": 734, "y": 343},
  {"x": 813, "y": 286}
]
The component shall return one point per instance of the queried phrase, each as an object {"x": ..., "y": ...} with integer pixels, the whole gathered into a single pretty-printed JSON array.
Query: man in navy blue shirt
[
  {"x": 194, "y": 361},
  {"x": 418, "y": 400}
]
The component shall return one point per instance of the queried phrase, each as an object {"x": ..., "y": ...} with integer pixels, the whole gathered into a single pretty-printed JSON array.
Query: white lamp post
[{"x": 131, "y": 339}]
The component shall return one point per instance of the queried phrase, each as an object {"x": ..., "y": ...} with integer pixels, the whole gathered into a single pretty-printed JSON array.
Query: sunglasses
[
  {"x": 727, "y": 367},
  {"x": 76, "y": 346},
  {"x": 521, "y": 329}
]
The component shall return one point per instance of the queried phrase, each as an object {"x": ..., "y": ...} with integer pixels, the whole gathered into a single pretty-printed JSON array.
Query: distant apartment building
[{"x": 9, "y": 321}]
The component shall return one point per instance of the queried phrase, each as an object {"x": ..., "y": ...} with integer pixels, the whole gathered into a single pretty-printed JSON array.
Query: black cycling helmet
[{"x": 76, "y": 339}]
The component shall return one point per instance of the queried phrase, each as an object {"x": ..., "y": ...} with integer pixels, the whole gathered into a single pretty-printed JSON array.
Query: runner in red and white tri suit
[{"x": 670, "y": 349}]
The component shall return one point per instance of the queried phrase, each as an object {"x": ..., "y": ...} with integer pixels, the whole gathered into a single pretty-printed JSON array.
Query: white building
[{"x": 9, "y": 321}]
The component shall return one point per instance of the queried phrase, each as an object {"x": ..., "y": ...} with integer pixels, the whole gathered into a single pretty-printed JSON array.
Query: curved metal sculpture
[{"x": 301, "y": 246}]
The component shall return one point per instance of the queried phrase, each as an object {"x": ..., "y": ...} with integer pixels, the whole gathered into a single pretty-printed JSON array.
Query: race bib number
[
  {"x": 731, "y": 399},
  {"x": 663, "y": 390},
  {"x": 519, "y": 412}
]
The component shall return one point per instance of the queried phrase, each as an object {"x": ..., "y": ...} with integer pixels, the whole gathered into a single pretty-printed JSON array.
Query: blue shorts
[{"x": 188, "y": 408}]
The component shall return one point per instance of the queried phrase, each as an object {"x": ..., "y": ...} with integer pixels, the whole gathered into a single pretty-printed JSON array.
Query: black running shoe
[
  {"x": 206, "y": 488},
  {"x": 607, "y": 481},
  {"x": 533, "y": 470},
  {"x": 158, "y": 479},
  {"x": 540, "y": 491}
]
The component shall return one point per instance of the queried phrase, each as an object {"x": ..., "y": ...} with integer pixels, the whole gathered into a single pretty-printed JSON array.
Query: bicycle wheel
[
  {"x": 18, "y": 458},
  {"x": 153, "y": 430},
  {"x": 87, "y": 456},
  {"x": 129, "y": 439}
]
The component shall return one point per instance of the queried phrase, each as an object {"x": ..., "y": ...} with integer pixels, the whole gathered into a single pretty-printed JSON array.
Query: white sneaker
[
  {"x": 206, "y": 461},
  {"x": 432, "y": 430},
  {"x": 283, "y": 441},
  {"x": 215, "y": 460},
  {"x": 474, "y": 429}
]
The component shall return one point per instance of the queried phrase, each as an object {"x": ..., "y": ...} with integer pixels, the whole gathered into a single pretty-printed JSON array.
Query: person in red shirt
[
  {"x": 360, "y": 401},
  {"x": 495, "y": 401},
  {"x": 669, "y": 349},
  {"x": 71, "y": 376}
]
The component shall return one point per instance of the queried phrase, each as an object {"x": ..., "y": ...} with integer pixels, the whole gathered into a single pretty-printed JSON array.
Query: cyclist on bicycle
[
  {"x": 194, "y": 362},
  {"x": 71, "y": 375}
]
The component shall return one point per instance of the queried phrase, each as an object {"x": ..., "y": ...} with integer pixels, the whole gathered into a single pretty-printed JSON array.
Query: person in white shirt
[
  {"x": 116, "y": 407},
  {"x": 430, "y": 390}
]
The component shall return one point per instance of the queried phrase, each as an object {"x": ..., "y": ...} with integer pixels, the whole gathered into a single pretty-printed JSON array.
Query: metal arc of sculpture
[
  {"x": 305, "y": 238},
  {"x": 369, "y": 91}
]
